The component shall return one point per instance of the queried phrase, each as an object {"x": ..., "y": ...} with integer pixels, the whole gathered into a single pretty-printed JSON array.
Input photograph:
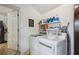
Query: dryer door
[{"x": 45, "y": 49}]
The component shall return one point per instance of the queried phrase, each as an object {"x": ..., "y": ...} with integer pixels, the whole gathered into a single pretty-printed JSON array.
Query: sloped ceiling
[
  {"x": 4, "y": 10},
  {"x": 43, "y": 8}
]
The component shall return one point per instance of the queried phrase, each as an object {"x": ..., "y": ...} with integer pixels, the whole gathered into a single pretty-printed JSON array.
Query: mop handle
[{"x": 68, "y": 24}]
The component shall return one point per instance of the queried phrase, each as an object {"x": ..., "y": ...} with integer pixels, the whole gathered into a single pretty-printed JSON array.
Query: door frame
[{"x": 17, "y": 9}]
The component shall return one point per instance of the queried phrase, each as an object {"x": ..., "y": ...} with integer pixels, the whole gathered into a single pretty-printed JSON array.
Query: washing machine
[
  {"x": 53, "y": 46},
  {"x": 33, "y": 44}
]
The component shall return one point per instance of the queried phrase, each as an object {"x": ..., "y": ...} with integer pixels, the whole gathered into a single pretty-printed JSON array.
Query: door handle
[{"x": 45, "y": 45}]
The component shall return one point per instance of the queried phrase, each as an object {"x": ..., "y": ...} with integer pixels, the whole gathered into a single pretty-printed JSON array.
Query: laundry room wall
[
  {"x": 66, "y": 14},
  {"x": 27, "y": 12}
]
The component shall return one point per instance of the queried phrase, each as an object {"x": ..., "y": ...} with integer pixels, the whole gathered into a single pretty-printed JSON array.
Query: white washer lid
[
  {"x": 54, "y": 40},
  {"x": 48, "y": 41}
]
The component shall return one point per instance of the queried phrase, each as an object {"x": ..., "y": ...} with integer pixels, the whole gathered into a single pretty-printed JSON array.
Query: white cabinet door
[{"x": 12, "y": 30}]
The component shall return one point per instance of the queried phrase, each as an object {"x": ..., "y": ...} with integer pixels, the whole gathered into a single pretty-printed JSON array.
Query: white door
[{"x": 12, "y": 30}]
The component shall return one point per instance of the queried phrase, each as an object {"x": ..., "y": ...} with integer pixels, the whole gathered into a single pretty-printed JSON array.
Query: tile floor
[{"x": 4, "y": 50}]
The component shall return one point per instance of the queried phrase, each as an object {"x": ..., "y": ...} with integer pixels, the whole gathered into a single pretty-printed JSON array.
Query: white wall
[
  {"x": 66, "y": 14},
  {"x": 27, "y": 12}
]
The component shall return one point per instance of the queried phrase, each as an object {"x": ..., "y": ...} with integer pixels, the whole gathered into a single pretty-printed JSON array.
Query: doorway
[
  {"x": 76, "y": 30},
  {"x": 10, "y": 32}
]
